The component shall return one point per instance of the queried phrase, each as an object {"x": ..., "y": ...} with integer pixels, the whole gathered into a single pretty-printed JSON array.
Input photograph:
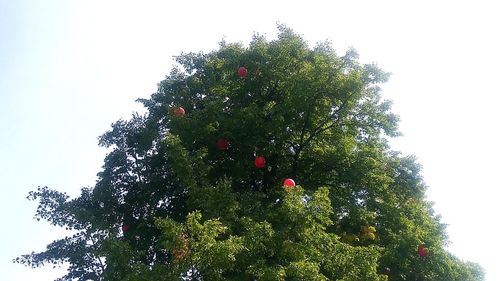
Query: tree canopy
[{"x": 194, "y": 189}]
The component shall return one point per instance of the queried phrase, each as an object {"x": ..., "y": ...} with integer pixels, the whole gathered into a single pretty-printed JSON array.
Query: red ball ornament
[
  {"x": 260, "y": 162},
  {"x": 387, "y": 271},
  {"x": 179, "y": 111},
  {"x": 125, "y": 227},
  {"x": 288, "y": 183},
  {"x": 222, "y": 144},
  {"x": 242, "y": 72},
  {"x": 422, "y": 251}
]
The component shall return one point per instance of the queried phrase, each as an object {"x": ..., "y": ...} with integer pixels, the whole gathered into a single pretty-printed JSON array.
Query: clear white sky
[{"x": 68, "y": 69}]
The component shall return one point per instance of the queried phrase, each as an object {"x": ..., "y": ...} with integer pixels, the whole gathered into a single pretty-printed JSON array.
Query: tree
[{"x": 182, "y": 196}]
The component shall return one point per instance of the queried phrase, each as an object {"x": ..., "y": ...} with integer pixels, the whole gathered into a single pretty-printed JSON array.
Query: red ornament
[
  {"x": 242, "y": 72},
  {"x": 422, "y": 251},
  {"x": 179, "y": 111},
  {"x": 288, "y": 183},
  {"x": 222, "y": 144},
  {"x": 125, "y": 227},
  {"x": 260, "y": 162},
  {"x": 387, "y": 271}
]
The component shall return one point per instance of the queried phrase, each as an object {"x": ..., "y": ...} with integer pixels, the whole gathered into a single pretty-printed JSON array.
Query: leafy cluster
[{"x": 194, "y": 211}]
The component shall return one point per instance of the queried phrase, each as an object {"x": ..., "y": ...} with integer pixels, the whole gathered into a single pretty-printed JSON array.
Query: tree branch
[
  {"x": 103, "y": 267},
  {"x": 303, "y": 143},
  {"x": 302, "y": 134},
  {"x": 320, "y": 128}
]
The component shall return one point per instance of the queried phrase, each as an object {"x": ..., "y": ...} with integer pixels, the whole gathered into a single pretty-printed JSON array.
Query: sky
[{"x": 68, "y": 69}]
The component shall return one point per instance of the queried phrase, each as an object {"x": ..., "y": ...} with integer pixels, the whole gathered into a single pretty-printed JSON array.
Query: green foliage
[{"x": 196, "y": 212}]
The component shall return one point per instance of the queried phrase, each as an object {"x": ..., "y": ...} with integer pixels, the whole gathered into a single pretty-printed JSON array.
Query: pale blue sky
[{"x": 68, "y": 69}]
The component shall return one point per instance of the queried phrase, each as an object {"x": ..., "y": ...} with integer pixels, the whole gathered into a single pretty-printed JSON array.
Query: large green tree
[{"x": 194, "y": 188}]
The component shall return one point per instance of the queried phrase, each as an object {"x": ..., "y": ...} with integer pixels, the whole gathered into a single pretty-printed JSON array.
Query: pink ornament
[
  {"x": 288, "y": 183},
  {"x": 125, "y": 227},
  {"x": 179, "y": 111},
  {"x": 222, "y": 144},
  {"x": 260, "y": 162},
  {"x": 242, "y": 72}
]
